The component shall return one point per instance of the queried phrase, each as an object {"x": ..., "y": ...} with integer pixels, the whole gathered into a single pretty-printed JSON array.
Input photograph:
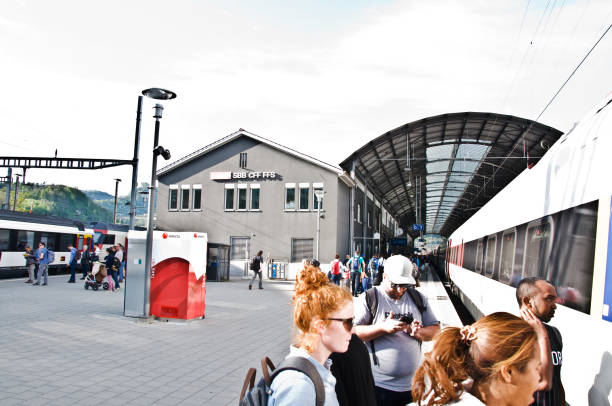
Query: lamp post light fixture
[
  {"x": 158, "y": 94},
  {"x": 319, "y": 196}
]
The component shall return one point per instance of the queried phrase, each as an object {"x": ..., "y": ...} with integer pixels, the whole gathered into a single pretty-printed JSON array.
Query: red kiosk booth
[{"x": 178, "y": 275}]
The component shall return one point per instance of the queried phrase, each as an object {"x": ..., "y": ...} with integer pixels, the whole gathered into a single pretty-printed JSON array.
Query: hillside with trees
[{"x": 55, "y": 200}]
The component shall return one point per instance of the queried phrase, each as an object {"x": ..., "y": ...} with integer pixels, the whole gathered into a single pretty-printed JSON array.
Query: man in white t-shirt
[{"x": 393, "y": 322}]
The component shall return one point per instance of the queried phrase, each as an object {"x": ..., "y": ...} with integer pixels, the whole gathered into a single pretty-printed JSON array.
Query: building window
[
  {"x": 184, "y": 197},
  {"x": 242, "y": 197},
  {"x": 197, "y": 197},
  {"x": 229, "y": 197},
  {"x": 301, "y": 248},
  {"x": 173, "y": 198},
  {"x": 358, "y": 212},
  {"x": 315, "y": 202},
  {"x": 369, "y": 219},
  {"x": 255, "y": 197},
  {"x": 289, "y": 196},
  {"x": 304, "y": 194},
  {"x": 243, "y": 159}
]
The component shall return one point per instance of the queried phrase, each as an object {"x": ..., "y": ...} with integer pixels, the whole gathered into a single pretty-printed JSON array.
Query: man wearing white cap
[{"x": 393, "y": 320}]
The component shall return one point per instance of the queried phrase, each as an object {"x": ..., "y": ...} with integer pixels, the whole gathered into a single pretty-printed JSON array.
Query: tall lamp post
[
  {"x": 117, "y": 180},
  {"x": 158, "y": 94},
  {"x": 319, "y": 195}
]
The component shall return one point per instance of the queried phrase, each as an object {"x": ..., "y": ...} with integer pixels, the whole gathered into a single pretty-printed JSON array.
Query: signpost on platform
[{"x": 418, "y": 227}]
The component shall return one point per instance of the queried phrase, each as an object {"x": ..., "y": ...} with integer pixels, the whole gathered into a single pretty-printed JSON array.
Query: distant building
[{"x": 254, "y": 194}]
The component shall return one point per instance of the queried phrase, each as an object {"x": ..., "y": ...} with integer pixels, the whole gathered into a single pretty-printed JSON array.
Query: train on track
[
  {"x": 18, "y": 230},
  {"x": 553, "y": 221}
]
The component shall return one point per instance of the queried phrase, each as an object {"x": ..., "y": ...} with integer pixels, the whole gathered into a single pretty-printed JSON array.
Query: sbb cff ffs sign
[
  {"x": 418, "y": 227},
  {"x": 253, "y": 175}
]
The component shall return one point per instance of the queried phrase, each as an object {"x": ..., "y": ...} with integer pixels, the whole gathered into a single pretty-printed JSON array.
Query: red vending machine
[{"x": 178, "y": 275}]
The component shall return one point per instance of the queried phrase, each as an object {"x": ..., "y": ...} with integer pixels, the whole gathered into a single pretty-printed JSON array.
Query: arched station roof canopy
[{"x": 460, "y": 161}]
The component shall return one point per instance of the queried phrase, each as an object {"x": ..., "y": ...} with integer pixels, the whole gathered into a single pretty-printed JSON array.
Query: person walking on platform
[
  {"x": 394, "y": 319},
  {"x": 85, "y": 260},
  {"x": 112, "y": 265},
  {"x": 30, "y": 263},
  {"x": 72, "y": 262},
  {"x": 42, "y": 255},
  {"x": 357, "y": 265},
  {"x": 336, "y": 270},
  {"x": 373, "y": 267},
  {"x": 323, "y": 313},
  {"x": 537, "y": 300},
  {"x": 119, "y": 254},
  {"x": 255, "y": 266},
  {"x": 379, "y": 272},
  {"x": 499, "y": 354}
]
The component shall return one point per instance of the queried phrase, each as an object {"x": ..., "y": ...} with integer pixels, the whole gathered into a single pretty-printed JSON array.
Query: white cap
[{"x": 398, "y": 269}]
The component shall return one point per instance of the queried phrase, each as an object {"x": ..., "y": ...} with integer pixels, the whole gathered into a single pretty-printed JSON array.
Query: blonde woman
[{"x": 324, "y": 316}]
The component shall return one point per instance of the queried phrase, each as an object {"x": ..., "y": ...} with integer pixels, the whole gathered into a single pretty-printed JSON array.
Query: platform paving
[{"x": 63, "y": 345}]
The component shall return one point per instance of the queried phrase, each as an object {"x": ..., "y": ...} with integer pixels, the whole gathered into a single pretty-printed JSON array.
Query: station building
[{"x": 254, "y": 194}]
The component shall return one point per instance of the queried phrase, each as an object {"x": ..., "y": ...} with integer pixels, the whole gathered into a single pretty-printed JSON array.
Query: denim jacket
[{"x": 293, "y": 388}]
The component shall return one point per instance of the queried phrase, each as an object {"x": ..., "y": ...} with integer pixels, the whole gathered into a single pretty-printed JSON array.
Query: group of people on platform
[
  {"x": 37, "y": 262},
  {"x": 367, "y": 351},
  {"x": 357, "y": 275}
]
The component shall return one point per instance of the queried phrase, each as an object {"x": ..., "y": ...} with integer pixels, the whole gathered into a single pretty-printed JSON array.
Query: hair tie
[{"x": 468, "y": 334}]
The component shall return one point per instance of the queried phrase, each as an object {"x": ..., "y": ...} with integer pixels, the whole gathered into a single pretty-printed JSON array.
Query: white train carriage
[{"x": 553, "y": 221}]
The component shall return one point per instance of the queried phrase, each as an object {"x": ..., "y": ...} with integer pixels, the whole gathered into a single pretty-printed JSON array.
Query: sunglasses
[
  {"x": 395, "y": 286},
  {"x": 348, "y": 323}
]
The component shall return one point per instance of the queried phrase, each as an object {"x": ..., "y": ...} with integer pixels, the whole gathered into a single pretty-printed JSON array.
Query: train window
[
  {"x": 4, "y": 240},
  {"x": 507, "y": 257},
  {"x": 537, "y": 249},
  {"x": 65, "y": 241},
  {"x": 98, "y": 238},
  {"x": 109, "y": 239},
  {"x": 490, "y": 257},
  {"x": 48, "y": 239},
  {"x": 24, "y": 238}
]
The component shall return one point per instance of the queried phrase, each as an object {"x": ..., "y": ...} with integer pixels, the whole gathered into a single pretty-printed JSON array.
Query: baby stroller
[{"x": 98, "y": 277}]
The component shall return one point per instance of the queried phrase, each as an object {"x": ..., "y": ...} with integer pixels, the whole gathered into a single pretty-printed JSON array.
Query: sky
[{"x": 321, "y": 77}]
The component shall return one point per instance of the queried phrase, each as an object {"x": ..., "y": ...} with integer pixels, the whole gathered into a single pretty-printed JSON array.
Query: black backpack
[
  {"x": 372, "y": 303},
  {"x": 257, "y": 395},
  {"x": 252, "y": 265}
]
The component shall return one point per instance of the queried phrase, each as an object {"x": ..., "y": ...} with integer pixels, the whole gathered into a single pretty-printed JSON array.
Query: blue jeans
[
  {"x": 355, "y": 282},
  {"x": 72, "y": 271},
  {"x": 43, "y": 269},
  {"x": 113, "y": 275},
  {"x": 121, "y": 268},
  {"x": 336, "y": 279}
]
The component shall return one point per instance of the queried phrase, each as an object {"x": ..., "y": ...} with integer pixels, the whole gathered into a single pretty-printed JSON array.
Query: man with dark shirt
[{"x": 537, "y": 299}]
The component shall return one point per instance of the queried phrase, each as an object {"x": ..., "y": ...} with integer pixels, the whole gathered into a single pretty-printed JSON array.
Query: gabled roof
[{"x": 243, "y": 133}]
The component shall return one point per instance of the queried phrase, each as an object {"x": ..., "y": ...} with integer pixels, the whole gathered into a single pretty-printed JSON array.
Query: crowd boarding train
[
  {"x": 18, "y": 230},
  {"x": 553, "y": 221}
]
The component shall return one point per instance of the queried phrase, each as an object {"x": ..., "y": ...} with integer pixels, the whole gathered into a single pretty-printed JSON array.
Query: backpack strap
[
  {"x": 266, "y": 366},
  {"x": 417, "y": 299},
  {"x": 372, "y": 304},
  {"x": 249, "y": 382},
  {"x": 304, "y": 366}
]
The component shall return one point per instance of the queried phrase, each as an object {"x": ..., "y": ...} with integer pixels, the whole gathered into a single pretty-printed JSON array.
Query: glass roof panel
[
  {"x": 436, "y": 178},
  {"x": 439, "y": 152},
  {"x": 438, "y": 166}
]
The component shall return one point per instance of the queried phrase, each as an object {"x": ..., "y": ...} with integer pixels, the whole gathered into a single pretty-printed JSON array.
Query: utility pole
[
  {"x": 16, "y": 190},
  {"x": 9, "y": 179},
  {"x": 115, "y": 206}
]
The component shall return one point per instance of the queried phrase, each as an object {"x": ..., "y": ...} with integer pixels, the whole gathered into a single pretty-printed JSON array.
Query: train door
[{"x": 538, "y": 244}]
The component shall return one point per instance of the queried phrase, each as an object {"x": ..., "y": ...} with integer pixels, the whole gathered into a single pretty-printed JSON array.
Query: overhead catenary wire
[{"x": 551, "y": 100}]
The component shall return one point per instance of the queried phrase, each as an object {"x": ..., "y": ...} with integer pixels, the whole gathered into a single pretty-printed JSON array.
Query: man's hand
[
  {"x": 538, "y": 326},
  {"x": 390, "y": 325}
]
